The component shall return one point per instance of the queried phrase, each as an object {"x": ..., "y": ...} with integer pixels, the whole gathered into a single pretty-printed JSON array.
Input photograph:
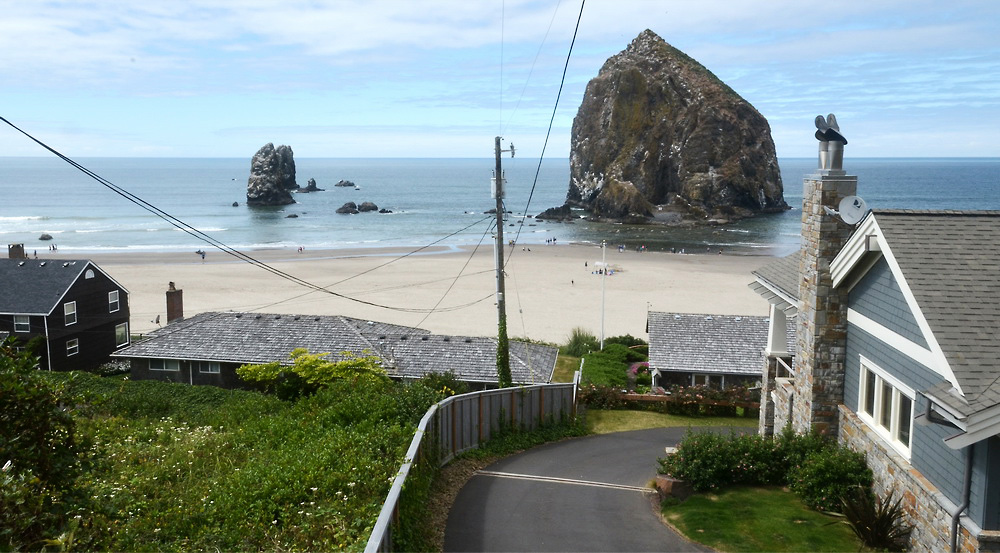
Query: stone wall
[
  {"x": 822, "y": 317},
  {"x": 928, "y": 510}
]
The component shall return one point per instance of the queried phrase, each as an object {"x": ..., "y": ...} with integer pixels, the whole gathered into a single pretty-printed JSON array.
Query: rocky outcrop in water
[
  {"x": 310, "y": 187},
  {"x": 272, "y": 175},
  {"x": 659, "y": 137}
]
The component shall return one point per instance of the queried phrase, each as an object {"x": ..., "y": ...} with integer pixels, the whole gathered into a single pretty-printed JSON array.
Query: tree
[{"x": 310, "y": 372}]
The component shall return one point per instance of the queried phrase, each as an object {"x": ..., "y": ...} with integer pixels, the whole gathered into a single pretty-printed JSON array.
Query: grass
[
  {"x": 758, "y": 519},
  {"x": 566, "y": 365},
  {"x": 607, "y": 421}
]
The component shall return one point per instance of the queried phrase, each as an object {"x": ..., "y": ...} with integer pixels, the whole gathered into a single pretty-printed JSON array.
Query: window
[
  {"x": 886, "y": 405},
  {"x": 164, "y": 365},
  {"x": 22, "y": 323},
  {"x": 208, "y": 367},
  {"x": 69, "y": 311},
  {"x": 72, "y": 347},
  {"x": 121, "y": 335},
  {"x": 89, "y": 274},
  {"x": 113, "y": 304}
]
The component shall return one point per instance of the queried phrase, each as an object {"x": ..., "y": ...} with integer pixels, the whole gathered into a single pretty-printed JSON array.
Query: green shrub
[
  {"x": 601, "y": 397},
  {"x": 703, "y": 459},
  {"x": 41, "y": 455},
  {"x": 637, "y": 345},
  {"x": 310, "y": 372},
  {"x": 446, "y": 383},
  {"x": 824, "y": 476},
  {"x": 580, "y": 343},
  {"x": 813, "y": 466}
]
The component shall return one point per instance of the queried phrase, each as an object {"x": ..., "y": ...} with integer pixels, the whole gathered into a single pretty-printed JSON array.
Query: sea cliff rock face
[
  {"x": 272, "y": 175},
  {"x": 658, "y": 133}
]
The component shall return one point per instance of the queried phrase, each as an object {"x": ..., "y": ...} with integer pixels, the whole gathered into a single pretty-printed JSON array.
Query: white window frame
[
  {"x": 22, "y": 323},
  {"x": 118, "y": 342},
  {"x": 209, "y": 367},
  {"x": 69, "y": 308},
  {"x": 113, "y": 301},
  {"x": 166, "y": 365},
  {"x": 886, "y": 386},
  {"x": 72, "y": 347}
]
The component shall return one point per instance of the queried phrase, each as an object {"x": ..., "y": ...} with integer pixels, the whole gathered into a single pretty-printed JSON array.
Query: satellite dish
[{"x": 852, "y": 209}]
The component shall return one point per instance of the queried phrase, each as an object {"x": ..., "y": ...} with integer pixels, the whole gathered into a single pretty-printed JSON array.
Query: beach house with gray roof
[
  {"x": 78, "y": 311},
  {"x": 208, "y": 348},
  {"x": 714, "y": 350},
  {"x": 897, "y": 354}
]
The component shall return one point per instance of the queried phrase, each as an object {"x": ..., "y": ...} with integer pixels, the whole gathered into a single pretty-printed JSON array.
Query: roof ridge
[{"x": 939, "y": 212}]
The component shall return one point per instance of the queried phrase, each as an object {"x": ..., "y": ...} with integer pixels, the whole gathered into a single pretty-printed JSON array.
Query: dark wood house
[{"x": 79, "y": 311}]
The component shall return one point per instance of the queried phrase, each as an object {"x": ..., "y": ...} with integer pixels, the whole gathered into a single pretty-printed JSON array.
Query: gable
[{"x": 877, "y": 296}]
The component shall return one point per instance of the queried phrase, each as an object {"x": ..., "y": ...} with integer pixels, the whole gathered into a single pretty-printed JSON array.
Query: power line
[
  {"x": 459, "y": 275},
  {"x": 532, "y": 70},
  {"x": 548, "y": 133},
  {"x": 200, "y": 235}
]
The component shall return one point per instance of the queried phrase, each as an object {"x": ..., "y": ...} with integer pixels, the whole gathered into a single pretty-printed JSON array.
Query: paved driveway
[{"x": 585, "y": 494}]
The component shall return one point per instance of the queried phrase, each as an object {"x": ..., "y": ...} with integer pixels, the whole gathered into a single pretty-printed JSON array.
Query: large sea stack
[
  {"x": 272, "y": 175},
  {"x": 659, "y": 137}
]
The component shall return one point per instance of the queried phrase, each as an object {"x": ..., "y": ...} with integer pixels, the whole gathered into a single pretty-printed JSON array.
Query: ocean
[{"x": 432, "y": 201}]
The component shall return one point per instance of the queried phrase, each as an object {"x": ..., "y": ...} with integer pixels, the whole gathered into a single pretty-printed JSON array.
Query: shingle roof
[
  {"x": 406, "y": 352},
  {"x": 709, "y": 343},
  {"x": 951, "y": 263},
  {"x": 782, "y": 274},
  {"x": 471, "y": 359},
  {"x": 33, "y": 287}
]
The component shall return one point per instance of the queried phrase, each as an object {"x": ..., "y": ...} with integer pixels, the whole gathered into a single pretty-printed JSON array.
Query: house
[
  {"x": 897, "y": 354},
  {"x": 714, "y": 350},
  {"x": 77, "y": 309},
  {"x": 208, "y": 348}
]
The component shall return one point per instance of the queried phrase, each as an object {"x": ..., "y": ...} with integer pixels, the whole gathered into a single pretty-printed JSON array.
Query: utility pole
[
  {"x": 604, "y": 278},
  {"x": 503, "y": 347}
]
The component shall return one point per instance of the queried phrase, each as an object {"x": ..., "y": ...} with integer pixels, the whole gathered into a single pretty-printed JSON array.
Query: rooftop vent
[
  {"x": 257, "y": 317},
  {"x": 276, "y": 317},
  {"x": 468, "y": 340},
  {"x": 423, "y": 338},
  {"x": 20, "y": 263},
  {"x": 42, "y": 264},
  {"x": 446, "y": 338},
  {"x": 296, "y": 318},
  {"x": 404, "y": 337},
  {"x": 238, "y": 315},
  {"x": 66, "y": 264}
]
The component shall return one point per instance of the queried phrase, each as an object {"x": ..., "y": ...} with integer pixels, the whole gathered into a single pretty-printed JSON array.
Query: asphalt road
[{"x": 577, "y": 495}]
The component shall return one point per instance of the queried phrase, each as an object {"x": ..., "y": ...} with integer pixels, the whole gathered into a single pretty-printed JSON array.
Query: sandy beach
[{"x": 550, "y": 289}]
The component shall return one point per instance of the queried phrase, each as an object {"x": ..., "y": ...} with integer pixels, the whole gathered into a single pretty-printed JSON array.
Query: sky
[{"x": 442, "y": 78}]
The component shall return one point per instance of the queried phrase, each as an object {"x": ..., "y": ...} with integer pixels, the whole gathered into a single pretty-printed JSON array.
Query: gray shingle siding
[
  {"x": 878, "y": 296},
  {"x": 936, "y": 461},
  {"x": 991, "y": 515}
]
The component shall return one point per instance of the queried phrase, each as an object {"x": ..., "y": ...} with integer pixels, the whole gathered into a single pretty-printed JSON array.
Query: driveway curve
[{"x": 585, "y": 494}]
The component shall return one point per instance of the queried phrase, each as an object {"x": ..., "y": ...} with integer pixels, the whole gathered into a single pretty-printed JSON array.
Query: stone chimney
[
  {"x": 822, "y": 316},
  {"x": 16, "y": 251},
  {"x": 175, "y": 303}
]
